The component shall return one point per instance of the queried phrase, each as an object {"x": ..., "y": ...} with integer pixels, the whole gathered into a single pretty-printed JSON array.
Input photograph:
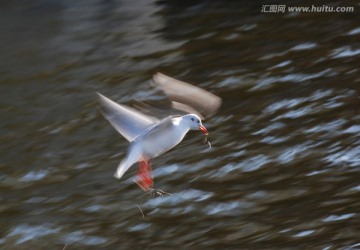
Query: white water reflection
[
  {"x": 345, "y": 51},
  {"x": 338, "y": 217},
  {"x": 25, "y": 232}
]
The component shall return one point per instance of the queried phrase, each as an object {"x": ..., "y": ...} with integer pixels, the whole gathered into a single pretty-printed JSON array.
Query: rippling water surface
[{"x": 283, "y": 171}]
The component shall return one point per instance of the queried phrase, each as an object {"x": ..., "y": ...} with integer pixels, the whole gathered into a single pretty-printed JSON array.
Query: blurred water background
[{"x": 284, "y": 168}]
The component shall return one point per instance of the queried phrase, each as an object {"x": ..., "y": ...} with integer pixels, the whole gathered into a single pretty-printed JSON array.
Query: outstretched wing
[
  {"x": 127, "y": 121},
  {"x": 186, "y": 97}
]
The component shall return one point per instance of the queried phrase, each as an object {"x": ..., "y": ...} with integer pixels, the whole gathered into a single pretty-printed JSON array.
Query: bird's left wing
[{"x": 127, "y": 121}]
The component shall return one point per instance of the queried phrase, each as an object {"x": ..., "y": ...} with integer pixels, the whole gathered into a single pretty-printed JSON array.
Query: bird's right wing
[
  {"x": 187, "y": 97},
  {"x": 127, "y": 121}
]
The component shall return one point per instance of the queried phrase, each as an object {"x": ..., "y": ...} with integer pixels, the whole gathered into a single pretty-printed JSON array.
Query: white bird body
[
  {"x": 162, "y": 137},
  {"x": 154, "y": 141}
]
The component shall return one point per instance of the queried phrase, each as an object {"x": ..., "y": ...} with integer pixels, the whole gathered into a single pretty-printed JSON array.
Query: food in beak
[
  {"x": 203, "y": 129},
  {"x": 207, "y": 141}
]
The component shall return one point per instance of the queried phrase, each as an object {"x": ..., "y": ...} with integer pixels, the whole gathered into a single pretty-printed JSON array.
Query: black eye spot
[
  {"x": 192, "y": 119},
  {"x": 198, "y": 121}
]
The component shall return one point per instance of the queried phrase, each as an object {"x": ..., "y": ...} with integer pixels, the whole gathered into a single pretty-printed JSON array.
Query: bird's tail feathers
[{"x": 133, "y": 157}]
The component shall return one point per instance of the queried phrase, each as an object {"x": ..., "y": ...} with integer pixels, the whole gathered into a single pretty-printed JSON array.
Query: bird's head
[{"x": 194, "y": 123}]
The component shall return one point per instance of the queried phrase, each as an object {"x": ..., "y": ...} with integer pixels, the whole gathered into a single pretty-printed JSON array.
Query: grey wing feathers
[
  {"x": 127, "y": 121},
  {"x": 158, "y": 127},
  {"x": 188, "y": 95}
]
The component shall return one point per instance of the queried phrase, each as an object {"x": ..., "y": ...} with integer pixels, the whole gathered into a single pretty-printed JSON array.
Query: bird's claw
[{"x": 157, "y": 193}]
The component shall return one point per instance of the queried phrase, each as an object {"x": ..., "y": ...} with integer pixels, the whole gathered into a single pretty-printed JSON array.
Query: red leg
[{"x": 144, "y": 178}]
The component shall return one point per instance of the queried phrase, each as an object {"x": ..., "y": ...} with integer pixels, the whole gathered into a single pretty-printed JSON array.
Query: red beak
[{"x": 203, "y": 129}]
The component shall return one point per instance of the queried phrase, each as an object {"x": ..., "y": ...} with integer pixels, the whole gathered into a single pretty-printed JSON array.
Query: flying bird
[{"x": 150, "y": 137}]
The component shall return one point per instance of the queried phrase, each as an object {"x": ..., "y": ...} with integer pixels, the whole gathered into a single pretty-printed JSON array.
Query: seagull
[{"x": 150, "y": 137}]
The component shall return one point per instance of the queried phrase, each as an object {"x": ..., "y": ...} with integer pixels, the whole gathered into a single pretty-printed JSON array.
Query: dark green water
[{"x": 284, "y": 170}]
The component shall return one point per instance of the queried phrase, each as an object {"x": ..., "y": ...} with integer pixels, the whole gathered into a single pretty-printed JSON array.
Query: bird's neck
[
  {"x": 177, "y": 121},
  {"x": 181, "y": 125}
]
